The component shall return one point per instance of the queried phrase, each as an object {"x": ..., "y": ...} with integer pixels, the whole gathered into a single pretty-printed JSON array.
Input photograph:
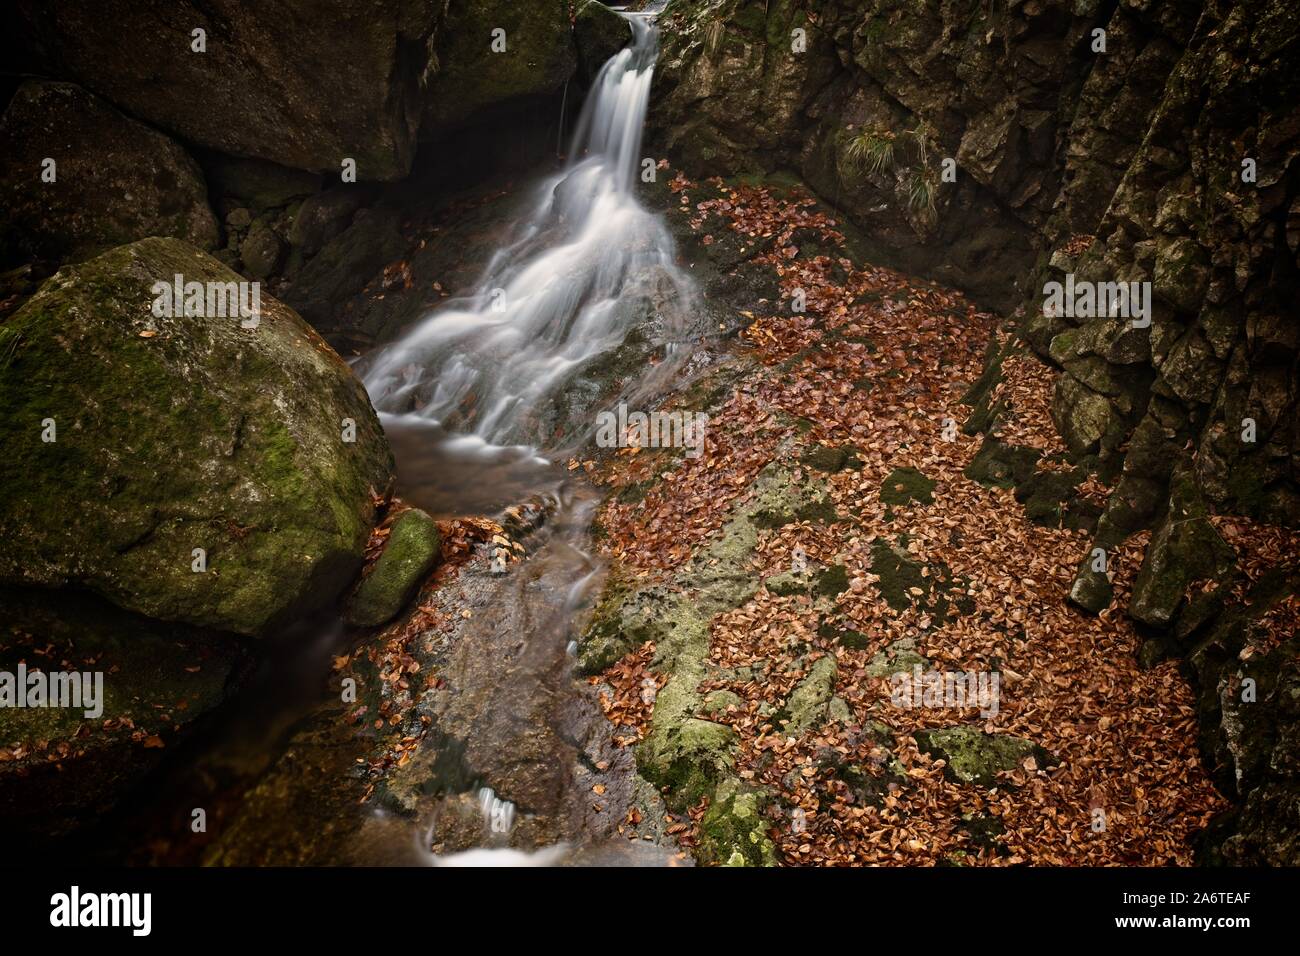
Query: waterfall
[{"x": 588, "y": 265}]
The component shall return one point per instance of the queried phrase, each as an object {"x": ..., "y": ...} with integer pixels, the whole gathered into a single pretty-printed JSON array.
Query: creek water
[
  {"x": 481, "y": 375},
  {"x": 474, "y": 396}
]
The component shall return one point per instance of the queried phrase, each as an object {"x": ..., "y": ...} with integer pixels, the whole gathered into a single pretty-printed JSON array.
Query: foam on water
[{"x": 588, "y": 265}]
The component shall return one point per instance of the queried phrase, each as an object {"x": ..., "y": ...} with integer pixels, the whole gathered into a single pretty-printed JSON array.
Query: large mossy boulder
[
  {"x": 133, "y": 441},
  {"x": 115, "y": 180},
  {"x": 476, "y": 71},
  {"x": 303, "y": 83},
  {"x": 408, "y": 556}
]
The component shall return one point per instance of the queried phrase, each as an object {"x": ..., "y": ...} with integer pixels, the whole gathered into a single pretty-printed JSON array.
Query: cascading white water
[
  {"x": 588, "y": 266},
  {"x": 469, "y": 398}
]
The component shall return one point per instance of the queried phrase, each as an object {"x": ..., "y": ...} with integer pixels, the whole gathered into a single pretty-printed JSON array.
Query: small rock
[
  {"x": 409, "y": 555},
  {"x": 811, "y": 697},
  {"x": 261, "y": 250},
  {"x": 973, "y": 756}
]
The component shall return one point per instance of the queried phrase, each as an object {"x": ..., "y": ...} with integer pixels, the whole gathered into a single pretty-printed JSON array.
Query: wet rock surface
[
  {"x": 477, "y": 73},
  {"x": 472, "y": 690},
  {"x": 598, "y": 33}
]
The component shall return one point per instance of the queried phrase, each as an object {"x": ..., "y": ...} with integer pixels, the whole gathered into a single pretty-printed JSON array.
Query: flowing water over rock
[
  {"x": 480, "y": 398},
  {"x": 589, "y": 268}
]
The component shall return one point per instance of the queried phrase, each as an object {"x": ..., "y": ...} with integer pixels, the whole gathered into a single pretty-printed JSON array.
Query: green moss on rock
[
  {"x": 717, "y": 702},
  {"x": 468, "y": 77},
  {"x": 972, "y": 756},
  {"x": 733, "y": 831},
  {"x": 175, "y": 434},
  {"x": 898, "y": 657},
  {"x": 808, "y": 702},
  {"x": 905, "y": 485},
  {"x": 407, "y": 558},
  {"x": 1002, "y": 466},
  {"x": 1081, "y": 415},
  {"x": 1184, "y": 549},
  {"x": 1091, "y": 590},
  {"x": 830, "y": 458},
  {"x": 626, "y": 618},
  {"x": 898, "y": 575},
  {"x": 598, "y": 33},
  {"x": 686, "y": 755}
]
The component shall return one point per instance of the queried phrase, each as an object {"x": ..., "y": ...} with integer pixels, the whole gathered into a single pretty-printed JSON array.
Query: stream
[{"x": 468, "y": 398}]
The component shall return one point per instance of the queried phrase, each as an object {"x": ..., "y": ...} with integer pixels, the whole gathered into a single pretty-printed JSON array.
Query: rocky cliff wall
[{"x": 1005, "y": 146}]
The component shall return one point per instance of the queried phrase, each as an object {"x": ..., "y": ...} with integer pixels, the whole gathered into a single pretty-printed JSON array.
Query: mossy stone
[
  {"x": 904, "y": 485},
  {"x": 687, "y": 755},
  {"x": 1091, "y": 590},
  {"x": 717, "y": 702},
  {"x": 407, "y": 558},
  {"x": 898, "y": 574},
  {"x": 827, "y": 582},
  {"x": 470, "y": 77},
  {"x": 808, "y": 702},
  {"x": 626, "y": 618},
  {"x": 972, "y": 756},
  {"x": 1081, "y": 415},
  {"x": 176, "y": 434},
  {"x": 598, "y": 34},
  {"x": 899, "y": 657},
  {"x": 1002, "y": 466},
  {"x": 1185, "y": 548},
  {"x": 830, "y": 458},
  {"x": 733, "y": 831}
]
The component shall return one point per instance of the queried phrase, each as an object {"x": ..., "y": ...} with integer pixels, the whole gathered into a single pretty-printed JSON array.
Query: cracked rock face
[{"x": 866, "y": 101}]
